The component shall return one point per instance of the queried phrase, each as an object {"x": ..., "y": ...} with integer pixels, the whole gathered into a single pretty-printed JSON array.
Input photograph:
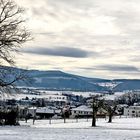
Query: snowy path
[{"x": 120, "y": 129}]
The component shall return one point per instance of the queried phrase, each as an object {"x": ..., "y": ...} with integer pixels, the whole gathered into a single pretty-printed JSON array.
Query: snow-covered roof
[
  {"x": 44, "y": 110},
  {"x": 109, "y": 97},
  {"x": 82, "y": 108},
  {"x": 32, "y": 108},
  {"x": 122, "y": 105},
  {"x": 58, "y": 111},
  {"x": 134, "y": 107}
]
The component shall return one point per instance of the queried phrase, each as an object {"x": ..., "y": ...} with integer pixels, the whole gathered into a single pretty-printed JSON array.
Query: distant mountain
[
  {"x": 58, "y": 80},
  {"x": 126, "y": 84}
]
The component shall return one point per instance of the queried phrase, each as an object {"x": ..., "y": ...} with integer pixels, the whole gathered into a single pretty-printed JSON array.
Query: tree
[
  {"x": 110, "y": 108},
  {"x": 66, "y": 112},
  {"x": 96, "y": 105},
  {"x": 129, "y": 98},
  {"x": 12, "y": 35}
]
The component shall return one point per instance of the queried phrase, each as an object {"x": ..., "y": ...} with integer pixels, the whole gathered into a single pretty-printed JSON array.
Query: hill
[
  {"x": 58, "y": 80},
  {"x": 127, "y": 84}
]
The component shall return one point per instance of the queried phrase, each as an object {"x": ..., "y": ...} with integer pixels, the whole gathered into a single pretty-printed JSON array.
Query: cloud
[
  {"x": 60, "y": 51},
  {"x": 102, "y": 31},
  {"x": 114, "y": 68},
  {"x": 119, "y": 68}
]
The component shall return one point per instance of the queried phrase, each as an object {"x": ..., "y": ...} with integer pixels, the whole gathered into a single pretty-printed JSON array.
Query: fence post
[
  {"x": 76, "y": 119},
  {"x": 50, "y": 122}
]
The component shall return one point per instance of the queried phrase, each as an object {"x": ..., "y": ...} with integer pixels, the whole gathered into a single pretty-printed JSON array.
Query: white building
[
  {"x": 132, "y": 111},
  {"x": 86, "y": 111},
  {"x": 45, "y": 112},
  {"x": 81, "y": 111},
  {"x": 56, "y": 98}
]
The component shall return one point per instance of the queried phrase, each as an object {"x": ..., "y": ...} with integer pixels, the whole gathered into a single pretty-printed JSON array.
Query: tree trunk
[
  {"x": 110, "y": 118},
  {"x": 94, "y": 119},
  {"x": 64, "y": 118}
]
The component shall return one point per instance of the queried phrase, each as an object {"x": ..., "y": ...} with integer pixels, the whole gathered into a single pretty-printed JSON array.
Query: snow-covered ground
[
  {"x": 120, "y": 129},
  {"x": 46, "y": 94}
]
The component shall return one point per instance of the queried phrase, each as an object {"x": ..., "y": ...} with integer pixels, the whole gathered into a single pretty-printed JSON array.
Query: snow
[
  {"x": 112, "y": 97},
  {"x": 109, "y": 84},
  {"x": 44, "y": 110},
  {"x": 120, "y": 129},
  {"x": 82, "y": 108},
  {"x": 109, "y": 97},
  {"x": 55, "y": 95}
]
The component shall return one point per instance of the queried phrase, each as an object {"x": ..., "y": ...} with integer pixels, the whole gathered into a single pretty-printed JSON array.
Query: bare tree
[
  {"x": 129, "y": 98},
  {"x": 111, "y": 109},
  {"x": 96, "y": 105},
  {"x": 110, "y": 106},
  {"x": 12, "y": 35},
  {"x": 10, "y": 77}
]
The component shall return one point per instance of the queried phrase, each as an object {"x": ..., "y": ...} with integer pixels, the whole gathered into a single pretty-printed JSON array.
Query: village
[{"x": 66, "y": 105}]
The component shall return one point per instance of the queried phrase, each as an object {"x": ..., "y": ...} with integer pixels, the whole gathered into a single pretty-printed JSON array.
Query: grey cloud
[
  {"x": 42, "y": 63},
  {"x": 60, "y": 51},
  {"x": 119, "y": 68},
  {"x": 114, "y": 68}
]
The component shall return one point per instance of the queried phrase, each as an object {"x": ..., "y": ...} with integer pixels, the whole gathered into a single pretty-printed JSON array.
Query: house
[
  {"x": 56, "y": 100},
  {"x": 86, "y": 111},
  {"x": 56, "y": 97},
  {"x": 45, "y": 112},
  {"x": 120, "y": 108},
  {"x": 132, "y": 111},
  {"x": 81, "y": 111}
]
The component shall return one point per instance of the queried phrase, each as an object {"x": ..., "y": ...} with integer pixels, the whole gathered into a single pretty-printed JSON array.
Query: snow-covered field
[
  {"x": 46, "y": 94},
  {"x": 120, "y": 129}
]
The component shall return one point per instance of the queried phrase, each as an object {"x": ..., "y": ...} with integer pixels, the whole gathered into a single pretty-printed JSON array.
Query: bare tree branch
[
  {"x": 12, "y": 35},
  {"x": 12, "y": 32}
]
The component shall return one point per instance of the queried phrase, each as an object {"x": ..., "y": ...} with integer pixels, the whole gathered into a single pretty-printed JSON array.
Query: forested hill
[{"x": 58, "y": 80}]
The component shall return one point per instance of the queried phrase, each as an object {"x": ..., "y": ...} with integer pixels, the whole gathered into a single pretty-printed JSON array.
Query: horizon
[
  {"x": 66, "y": 72},
  {"x": 84, "y": 37}
]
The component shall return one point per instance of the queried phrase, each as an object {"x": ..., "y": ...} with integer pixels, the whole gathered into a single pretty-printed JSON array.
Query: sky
[{"x": 92, "y": 38}]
